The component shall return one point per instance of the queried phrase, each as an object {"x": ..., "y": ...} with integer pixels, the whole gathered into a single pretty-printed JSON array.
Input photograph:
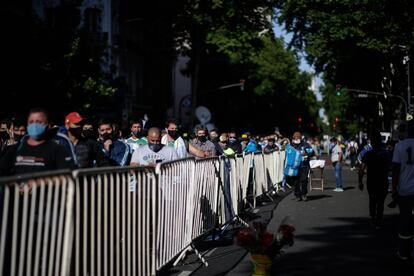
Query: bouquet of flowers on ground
[{"x": 257, "y": 240}]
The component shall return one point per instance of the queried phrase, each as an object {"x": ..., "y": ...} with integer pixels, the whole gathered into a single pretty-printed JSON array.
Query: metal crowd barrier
[
  {"x": 115, "y": 219},
  {"x": 175, "y": 208},
  {"x": 124, "y": 220},
  {"x": 36, "y": 219}
]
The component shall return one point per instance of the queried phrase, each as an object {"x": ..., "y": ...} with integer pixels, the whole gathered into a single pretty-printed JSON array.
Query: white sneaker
[{"x": 338, "y": 190}]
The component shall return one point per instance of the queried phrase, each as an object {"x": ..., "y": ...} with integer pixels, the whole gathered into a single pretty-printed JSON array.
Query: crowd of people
[{"x": 36, "y": 145}]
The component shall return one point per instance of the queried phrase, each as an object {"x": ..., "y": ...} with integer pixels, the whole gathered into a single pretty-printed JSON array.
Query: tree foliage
[
  {"x": 241, "y": 32},
  {"x": 351, "y": 43}
]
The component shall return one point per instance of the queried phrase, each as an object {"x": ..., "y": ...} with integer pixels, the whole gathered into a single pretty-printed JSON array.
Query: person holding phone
[{"x": 154, "y": 152}]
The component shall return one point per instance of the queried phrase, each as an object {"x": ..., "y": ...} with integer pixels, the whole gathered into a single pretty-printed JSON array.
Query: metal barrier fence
[
  {"x": 36, "y": 218},
  {"x": 124, "y": 221},
  {"x": 175, "y": 208},
  {"x": 115, "y": 221}
]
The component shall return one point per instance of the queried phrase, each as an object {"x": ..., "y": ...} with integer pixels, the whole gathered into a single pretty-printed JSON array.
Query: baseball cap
[{"x": 73, "y": 117}]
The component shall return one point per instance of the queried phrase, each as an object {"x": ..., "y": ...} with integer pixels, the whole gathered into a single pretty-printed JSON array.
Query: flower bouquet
[{"x": 264, "y": 246}]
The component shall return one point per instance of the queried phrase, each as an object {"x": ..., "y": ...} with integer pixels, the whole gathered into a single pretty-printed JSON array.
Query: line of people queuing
[{"x": 39, "y": 145}]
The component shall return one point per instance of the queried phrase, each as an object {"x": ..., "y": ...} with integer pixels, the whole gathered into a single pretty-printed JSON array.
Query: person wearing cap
[
  {"x": 251, "y": 144},
  {"x": 87, "y": 151},
  {"x": 36, "y": 152}
]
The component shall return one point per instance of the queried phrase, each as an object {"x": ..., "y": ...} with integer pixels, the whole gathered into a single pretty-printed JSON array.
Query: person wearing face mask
[
  {"x": 173, "y": 138},
  {"x": 154, "y": 152},
  {"x": 36, "y": 153},
  {"x": 297, "y": 166},
  {"x": 137, "y": 138},
  {"x": 214, "y": 135},
  {"x": 200, "y": 142},
  {"x": 19, "y": 130},
  {"x": 234, "y": 142},
  {"x": 87, "y": 151},
  {"x": 4, "y": 135},
  {"x": 115, "y": 150}
]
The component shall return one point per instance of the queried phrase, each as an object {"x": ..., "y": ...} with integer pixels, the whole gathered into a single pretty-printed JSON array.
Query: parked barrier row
[{"x": 124, "y": 221}]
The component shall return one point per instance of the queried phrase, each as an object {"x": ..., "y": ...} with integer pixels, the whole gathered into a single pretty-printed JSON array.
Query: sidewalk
[{"x": 333, "y": 237}]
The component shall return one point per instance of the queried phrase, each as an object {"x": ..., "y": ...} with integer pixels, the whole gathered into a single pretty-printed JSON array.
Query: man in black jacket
[{"x": 88, "y": 152}]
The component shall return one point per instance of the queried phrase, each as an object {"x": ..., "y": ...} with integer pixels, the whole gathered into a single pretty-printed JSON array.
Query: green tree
[{"x": 351, "y": 42}]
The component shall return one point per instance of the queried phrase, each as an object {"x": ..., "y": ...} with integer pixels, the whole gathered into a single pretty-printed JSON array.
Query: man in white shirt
[
  {"x": 154, "y": 152},
  {"x": 403, "y": 191},
  {"x": 173, "y": 138},
  {"x": 336, "y": 158}
]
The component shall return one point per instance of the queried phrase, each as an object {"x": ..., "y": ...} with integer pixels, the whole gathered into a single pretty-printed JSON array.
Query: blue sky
[{"x": 304, "y": 66}]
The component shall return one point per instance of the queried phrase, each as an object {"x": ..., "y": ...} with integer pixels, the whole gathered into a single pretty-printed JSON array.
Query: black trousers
[
  {"x": 299, "y": 182},
  {"x": 377, "y": 193}
]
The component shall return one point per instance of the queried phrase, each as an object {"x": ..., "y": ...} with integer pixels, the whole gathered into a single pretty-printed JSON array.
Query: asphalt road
[{"x": 333, "y": 237}]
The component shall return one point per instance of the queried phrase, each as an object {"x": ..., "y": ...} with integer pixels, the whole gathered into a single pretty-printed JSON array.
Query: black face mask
[
  {"x": 174, "y": 134},
  {"x": 4, "y": 135},
  {"x": 88, "y": 133},
  {"x": 18, "y": 137},
  {"x": 76, "y": 132},
  {"x": 214, "y": 139},
  {"x": 137, "y": 134},
  {"x": 202, "y": 139},
  {"x": 155, "y": 147},
  {"x": 106, "y": 136}
]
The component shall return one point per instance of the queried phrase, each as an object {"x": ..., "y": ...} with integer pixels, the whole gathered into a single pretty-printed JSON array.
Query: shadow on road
[
  {"x": 316, "y": 197},
  {"x": 350, "y": 247}
]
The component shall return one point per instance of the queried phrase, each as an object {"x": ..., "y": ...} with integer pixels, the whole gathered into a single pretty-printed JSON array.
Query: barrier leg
[{"x": 187, "y": 249}]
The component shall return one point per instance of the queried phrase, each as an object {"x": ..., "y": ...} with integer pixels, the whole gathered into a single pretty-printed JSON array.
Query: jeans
[{"x": 338, "y": 174}]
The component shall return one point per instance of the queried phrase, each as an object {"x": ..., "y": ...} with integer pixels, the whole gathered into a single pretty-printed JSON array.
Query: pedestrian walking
[
  {"x": 337, "y": 160},
  {"x": 403, "y": 191},
  {"x": 376, "y": 162}
]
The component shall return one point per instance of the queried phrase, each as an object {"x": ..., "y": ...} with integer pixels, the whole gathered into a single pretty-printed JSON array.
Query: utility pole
[{"x": 406, "y": 61}]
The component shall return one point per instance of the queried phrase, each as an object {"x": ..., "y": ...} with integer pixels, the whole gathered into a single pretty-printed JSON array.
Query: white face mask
[{"x": 296, "y": 141}]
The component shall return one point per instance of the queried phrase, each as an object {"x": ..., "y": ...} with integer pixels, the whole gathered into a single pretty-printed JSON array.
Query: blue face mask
[{"x": 35, "y": 130}]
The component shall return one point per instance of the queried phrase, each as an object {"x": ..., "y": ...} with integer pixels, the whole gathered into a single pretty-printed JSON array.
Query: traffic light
[
  {"x": 242, "y": 81},
  {"x": 336, "y": 119},
  {"x": 338, "y": 90},
  {"x": 299, "y": 120}
]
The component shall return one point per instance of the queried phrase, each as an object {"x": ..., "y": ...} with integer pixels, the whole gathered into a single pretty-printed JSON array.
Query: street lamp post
[{"x": 406, "y": 61}]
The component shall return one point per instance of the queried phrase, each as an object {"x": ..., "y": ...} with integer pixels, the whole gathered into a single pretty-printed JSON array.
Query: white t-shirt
[
  {"x": 336, "y": 151},
  {"x": 404, "y": 156},
  {"x": 179, "y": 146},
  {"x": 144, "y": 156}
]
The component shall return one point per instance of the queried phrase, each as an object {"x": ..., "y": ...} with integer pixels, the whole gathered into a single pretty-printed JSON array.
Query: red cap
[{"x": 73, "y": 117}]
